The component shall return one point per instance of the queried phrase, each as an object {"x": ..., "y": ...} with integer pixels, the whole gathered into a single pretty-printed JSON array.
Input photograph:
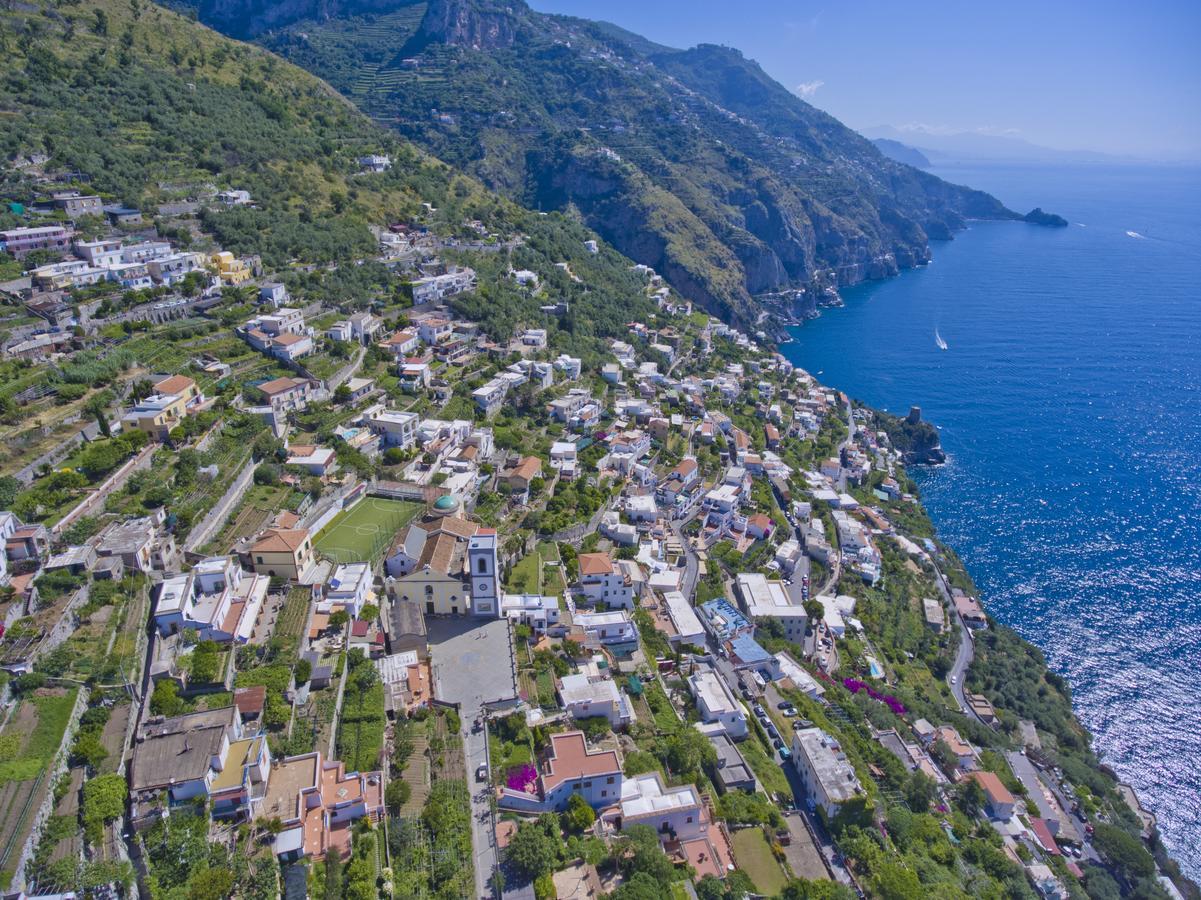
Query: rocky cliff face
[
  {"x": 471, "y": 25},
  {"x": 249, "y": 18}
]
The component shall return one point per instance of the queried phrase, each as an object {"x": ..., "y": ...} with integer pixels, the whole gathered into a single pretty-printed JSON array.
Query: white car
[{"x": 954, "y": 679}]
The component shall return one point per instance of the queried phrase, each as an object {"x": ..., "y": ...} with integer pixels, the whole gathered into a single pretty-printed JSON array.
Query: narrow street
[
  {"x": 1037, "y": 783},
  {"x": 483, "y": 837}
]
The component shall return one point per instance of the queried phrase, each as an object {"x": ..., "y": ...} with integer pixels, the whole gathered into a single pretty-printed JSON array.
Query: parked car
[
  {"x": 481, "y": 774},
  {"x": 783, "y": 704}
]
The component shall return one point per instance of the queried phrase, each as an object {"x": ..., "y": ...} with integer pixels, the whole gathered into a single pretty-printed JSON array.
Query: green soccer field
[{"x": 363, "y": 533}]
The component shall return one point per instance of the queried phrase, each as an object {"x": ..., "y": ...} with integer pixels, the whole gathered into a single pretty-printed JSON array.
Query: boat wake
[
  {"x": 1135, "y": 234},
  {"x": 942, "y": 345}
]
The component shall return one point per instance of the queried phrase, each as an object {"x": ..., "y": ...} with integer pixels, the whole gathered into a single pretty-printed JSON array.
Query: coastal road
[
  {"x": 965, "y": 653},
  {"x": 1049, "y": 799}
]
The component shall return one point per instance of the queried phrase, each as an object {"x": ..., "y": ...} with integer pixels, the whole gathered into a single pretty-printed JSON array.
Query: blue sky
[{"x": 1117, "y": 77}]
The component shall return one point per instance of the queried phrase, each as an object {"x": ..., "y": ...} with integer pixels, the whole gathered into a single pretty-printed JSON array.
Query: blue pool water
[{"x": 1069, "y": 400}]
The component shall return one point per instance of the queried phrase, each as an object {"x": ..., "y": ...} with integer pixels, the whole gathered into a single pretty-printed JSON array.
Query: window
[
  {"x": 483, "y": 566},
  {"x": 609, "y": 780}
]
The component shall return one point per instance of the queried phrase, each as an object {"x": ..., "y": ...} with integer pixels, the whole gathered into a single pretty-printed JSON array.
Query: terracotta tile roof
[
  {"x": 287, "y": 519},
  {"x": 442, "y": 553},
  {"x": 993, "y": 788},
  {"x": 527, "y": 469},
  {"x": 175, "y": 384},
  {"x": 1043, "y": 833},
  {"x": 319, "y": 624},
  {"x": 595, "y": 564},
  {"x": 685, "y": 468},
  {"x": 289, "y": 339},
  {"x": 281, "y": 540},
  {"x": 569, "y": 758},
  {"x": 400, "y": 337},
  {"x": 281, "y": 385},
  {"x": 250, "y": 700},
  {"x": 457, "y": 526}
]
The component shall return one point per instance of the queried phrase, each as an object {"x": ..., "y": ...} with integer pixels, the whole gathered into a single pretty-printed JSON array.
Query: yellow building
[
  {"x": 230, "y": 269},
  {"x": 283, "y": 553},
  {"x": 173, "y": 399}
]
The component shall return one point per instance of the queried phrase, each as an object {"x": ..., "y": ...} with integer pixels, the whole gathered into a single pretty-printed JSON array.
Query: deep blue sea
[{"x": 1069, "y": 400}]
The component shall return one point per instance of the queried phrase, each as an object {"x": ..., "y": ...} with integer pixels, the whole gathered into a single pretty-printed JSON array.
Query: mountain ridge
[{"x": 692, "y": 161}]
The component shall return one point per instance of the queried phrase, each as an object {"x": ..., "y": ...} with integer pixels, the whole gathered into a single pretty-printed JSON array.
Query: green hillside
[
  {"x": 694, "y": 162},
  {"x": 151, "y": 107}
]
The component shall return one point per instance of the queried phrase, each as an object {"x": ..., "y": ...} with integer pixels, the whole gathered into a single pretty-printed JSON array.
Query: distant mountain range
[
  {"x": 939, "y": 146},
  {"x": 691, "y": 161},
  {"x": 902, "y": 153}
]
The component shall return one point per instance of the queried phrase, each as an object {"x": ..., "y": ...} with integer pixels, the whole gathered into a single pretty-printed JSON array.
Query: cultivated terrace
[{"x": 366, "y": 535}]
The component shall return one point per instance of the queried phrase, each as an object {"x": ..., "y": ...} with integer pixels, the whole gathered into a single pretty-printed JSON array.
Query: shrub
[
  {"x": 397, "y": 795},
  {"x": 103, "y": 802},
  {"x": 267, "y": 473}
]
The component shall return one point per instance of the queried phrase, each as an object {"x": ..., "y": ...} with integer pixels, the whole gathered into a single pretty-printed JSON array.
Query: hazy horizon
[{"x": 1108, "y": 78}]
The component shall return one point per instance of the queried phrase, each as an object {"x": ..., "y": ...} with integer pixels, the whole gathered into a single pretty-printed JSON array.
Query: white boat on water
[{"x": 942, "y": 345}]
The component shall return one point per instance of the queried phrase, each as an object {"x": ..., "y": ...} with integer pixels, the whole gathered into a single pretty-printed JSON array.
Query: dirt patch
[{"x": 113, "y": 737}]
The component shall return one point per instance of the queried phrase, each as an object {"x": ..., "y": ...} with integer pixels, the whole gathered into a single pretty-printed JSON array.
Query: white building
[
  {"x": 604, "y": 583},
  {"x": 788, "y": 554},
  {"x": 349, "y": 588},
  {"x": 687, "y": 623},
  {"x": 765, "y": 599},
  {"x": 563, "y": 458},
  {"x": 584, "y": 697},
  {"x": 671, "y": 811},
  {"x": 782, "y": 666},
  {"x": 642, "y": 508},
  {"x": 483, "y": 567},
  {"x": 395, "y": 428},
  {"x": 490, "y": 397},
  {"x": 827, "y": 776},
  {"x": 216, "y": 598},
  {"x": 438, "y": 287},
  {"x": 717, "y": 704},
  {"x": 534, "y": 337},
  {"x": 570, "y": 366},
  {"x": 611, "y": 627},
  {"x": 538, "y": 612}
]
